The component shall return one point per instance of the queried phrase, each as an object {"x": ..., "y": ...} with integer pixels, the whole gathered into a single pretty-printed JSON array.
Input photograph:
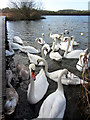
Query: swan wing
[
  {"x": 41, "y": 85},
  {"x": 54, "y": 75},
  {"x": 55, "y": 56},
  {"x": 17, "y": 40},
  {"x": 74, "y": 54},
  {"x": 29, "y": 49},
  {"x": 71, "y": 79},
  {"x": 33, "y": 59}
]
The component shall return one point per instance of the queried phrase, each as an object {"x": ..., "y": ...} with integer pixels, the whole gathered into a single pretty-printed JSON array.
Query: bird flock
[{"x": 55, "y": 104}]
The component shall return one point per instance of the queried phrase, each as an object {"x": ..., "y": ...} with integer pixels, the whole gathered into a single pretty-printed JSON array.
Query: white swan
[
  {"x": 41, "y": 39},
  {"x": 37, "y": 87},
  {"x": 81, "y": 63},
  {"x": 33, "y": 58},
  {"x": 18, "y": 40},
  {"x": 73, "y": 53},
  {"x": 31, "y": 49},
  {"x": 66, "y": 80},
  {"x": 63, "y": 45},
  {"x": 9, "y": 52},
  {"x": 62, "y": 38},
  {"x": 54, "y": 35},
  {"x": 56, "y": 46},
  {"x": 11, "y": 96},
  {"x": 55, "y": 55},
  {"x": 75, "y": 43},
  {"x": 55, "y": 104},
  {"x": 15, "y": 46}
]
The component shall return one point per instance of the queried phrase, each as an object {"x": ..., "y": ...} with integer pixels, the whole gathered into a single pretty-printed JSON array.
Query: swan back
[
  {"x": 18, "y": 40},
  {"x": 54, "y": 105}
]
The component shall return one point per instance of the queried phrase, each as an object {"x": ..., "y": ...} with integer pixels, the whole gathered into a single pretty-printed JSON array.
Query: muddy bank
[{"x": 75, "y": 106}]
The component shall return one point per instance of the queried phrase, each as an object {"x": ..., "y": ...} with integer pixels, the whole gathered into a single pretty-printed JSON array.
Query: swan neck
[
  {"x": 67, "y": 48},
  {"x": 62, "y": 37},
  {"x": 60, "y": 86},
  {"x": 46, "y": 66},
  {"x": 72, "y": 44},
  {"x": 42, "y": 52},
  {"x": 9, "y": 84},
  {"x": 10, "y": 48},
  {"x": 36, "y": 44}
]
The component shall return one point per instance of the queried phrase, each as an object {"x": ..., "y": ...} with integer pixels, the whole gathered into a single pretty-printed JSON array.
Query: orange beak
[{"x": 33, "y": 76}]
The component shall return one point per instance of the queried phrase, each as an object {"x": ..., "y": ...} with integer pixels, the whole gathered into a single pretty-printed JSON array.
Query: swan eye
[{"x": 11, "y": 106}]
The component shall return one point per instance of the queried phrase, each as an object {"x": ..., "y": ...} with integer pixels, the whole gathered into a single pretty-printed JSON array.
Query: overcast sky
[{"x": 55, "y": 5}]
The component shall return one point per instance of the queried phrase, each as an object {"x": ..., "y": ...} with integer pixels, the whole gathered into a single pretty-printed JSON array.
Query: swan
[
  {"x": 55, "y": 104},
  {"x": 11, "y": 96},
  {"x": 15, "y": 46},
  {"x": 47, "y": 47},
  {"x": 66, "y": 80},
  {"x": 62, "y": 38},
  {"x": 9, "y": 52},
  {"x": 18, "y": 40},
  {"x": 81, "y": 64},
  {"x": 73, "y": 53},
  {"x": 22, "y": 71},
  {"x": 54, "y": 35},
  {"x": 38, "y": 85},
  {"x": 57, "y": 45},
  {"x": 31, "y": 49},
  {"x": 75, "y": 43},
  {"x": 55, "y": 55},
  {"x": 82, "y": 34},
  {"x": 41, "y": 40},
  {"x": 63, "y": 45},
  {"x": 33, "y": 58},
  {"x": 66, "y": 31}
]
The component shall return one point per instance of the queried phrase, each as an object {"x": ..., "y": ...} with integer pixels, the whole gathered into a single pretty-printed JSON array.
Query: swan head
[
  {"x": 32, "y": 71},
  {"x": 72, "y": 37},
  {"x": 64, "y": 71},
  {"x": 42, "y": 34},
  {"x": 66, "y": 31},
  {"x": 39, "y": 60},
  {"x": 10, "y": 106}
]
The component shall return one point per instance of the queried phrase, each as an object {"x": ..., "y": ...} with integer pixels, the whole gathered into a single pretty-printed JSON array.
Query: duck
[
  {"x": 22, "y": 71},
  {"x": 70, "y": 79},
  {"x": 33, "y": 58},
  {"x": 10, "y": 52},
  {"x": 41, "y": 40},
  {"x": 55, "y": 55},
  {"x": 12, "y": 96},
  {"x": 31, "y": 49},
  {"x": 55, "y": 104},
  {"x": 74, "y": 54},
  {"x": 17, "y": 39},
  {"x": 53, "y": 35},
  {"x": 38, "y": 85}
]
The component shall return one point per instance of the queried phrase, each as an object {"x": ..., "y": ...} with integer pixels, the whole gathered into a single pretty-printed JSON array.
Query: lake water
[{"x": 29, "y": 30}]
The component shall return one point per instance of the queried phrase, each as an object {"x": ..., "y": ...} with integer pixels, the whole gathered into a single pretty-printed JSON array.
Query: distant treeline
[
  {"x": 65, "y": 12},
  {"x": 21, "y": 14}
]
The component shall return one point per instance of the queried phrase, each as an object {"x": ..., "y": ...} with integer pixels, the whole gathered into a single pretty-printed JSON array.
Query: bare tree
[{"x": 25, "y": 7}]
